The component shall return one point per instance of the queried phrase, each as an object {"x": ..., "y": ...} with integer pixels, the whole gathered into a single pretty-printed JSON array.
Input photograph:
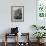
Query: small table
[{"x": 9, "y": 34}]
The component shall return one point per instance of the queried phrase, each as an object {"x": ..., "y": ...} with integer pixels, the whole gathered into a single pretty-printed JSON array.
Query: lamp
[{"x": 14, "y": 30}]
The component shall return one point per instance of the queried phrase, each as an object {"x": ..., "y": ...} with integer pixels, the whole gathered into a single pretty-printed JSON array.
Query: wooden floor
[{"x": 13, "y": 44}]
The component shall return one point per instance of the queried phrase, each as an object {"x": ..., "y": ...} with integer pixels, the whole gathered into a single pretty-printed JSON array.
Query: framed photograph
[{"x": 17, "y": 13}]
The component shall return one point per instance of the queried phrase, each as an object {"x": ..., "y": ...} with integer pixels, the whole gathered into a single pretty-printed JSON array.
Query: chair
[{"x": 25, "y": 37}]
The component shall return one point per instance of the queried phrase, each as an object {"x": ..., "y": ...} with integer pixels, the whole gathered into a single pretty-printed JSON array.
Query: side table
[{"x": 8, "y": 34}]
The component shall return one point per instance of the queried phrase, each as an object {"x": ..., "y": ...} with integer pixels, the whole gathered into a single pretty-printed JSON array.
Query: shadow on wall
[{"x": 32, "y": 30}]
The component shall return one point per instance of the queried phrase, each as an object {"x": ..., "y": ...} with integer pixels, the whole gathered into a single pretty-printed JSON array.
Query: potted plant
[
  {"x": 38, "y": 27},
  {"x": 39, "y": 35}
]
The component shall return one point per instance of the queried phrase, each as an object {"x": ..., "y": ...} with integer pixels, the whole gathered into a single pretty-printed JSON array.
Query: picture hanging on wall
[{"x": 17, "y": 13}]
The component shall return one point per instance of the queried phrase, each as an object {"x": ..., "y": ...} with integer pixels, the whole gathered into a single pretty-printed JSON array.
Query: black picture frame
[{"x": 17, "y": 13}]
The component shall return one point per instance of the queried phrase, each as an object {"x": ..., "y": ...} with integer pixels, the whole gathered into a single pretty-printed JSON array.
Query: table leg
[{"x": 5, "y": 40}]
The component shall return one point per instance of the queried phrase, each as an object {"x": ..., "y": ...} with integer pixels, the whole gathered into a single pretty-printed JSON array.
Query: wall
[{"x": 29, "y": 15}]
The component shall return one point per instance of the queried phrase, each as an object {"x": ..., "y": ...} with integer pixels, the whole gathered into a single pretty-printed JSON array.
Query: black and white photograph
[{"x": 17, "y": 13}]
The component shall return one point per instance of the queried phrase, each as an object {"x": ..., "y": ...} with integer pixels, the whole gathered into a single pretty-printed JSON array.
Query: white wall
[{"x": 29, "y": 15}]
